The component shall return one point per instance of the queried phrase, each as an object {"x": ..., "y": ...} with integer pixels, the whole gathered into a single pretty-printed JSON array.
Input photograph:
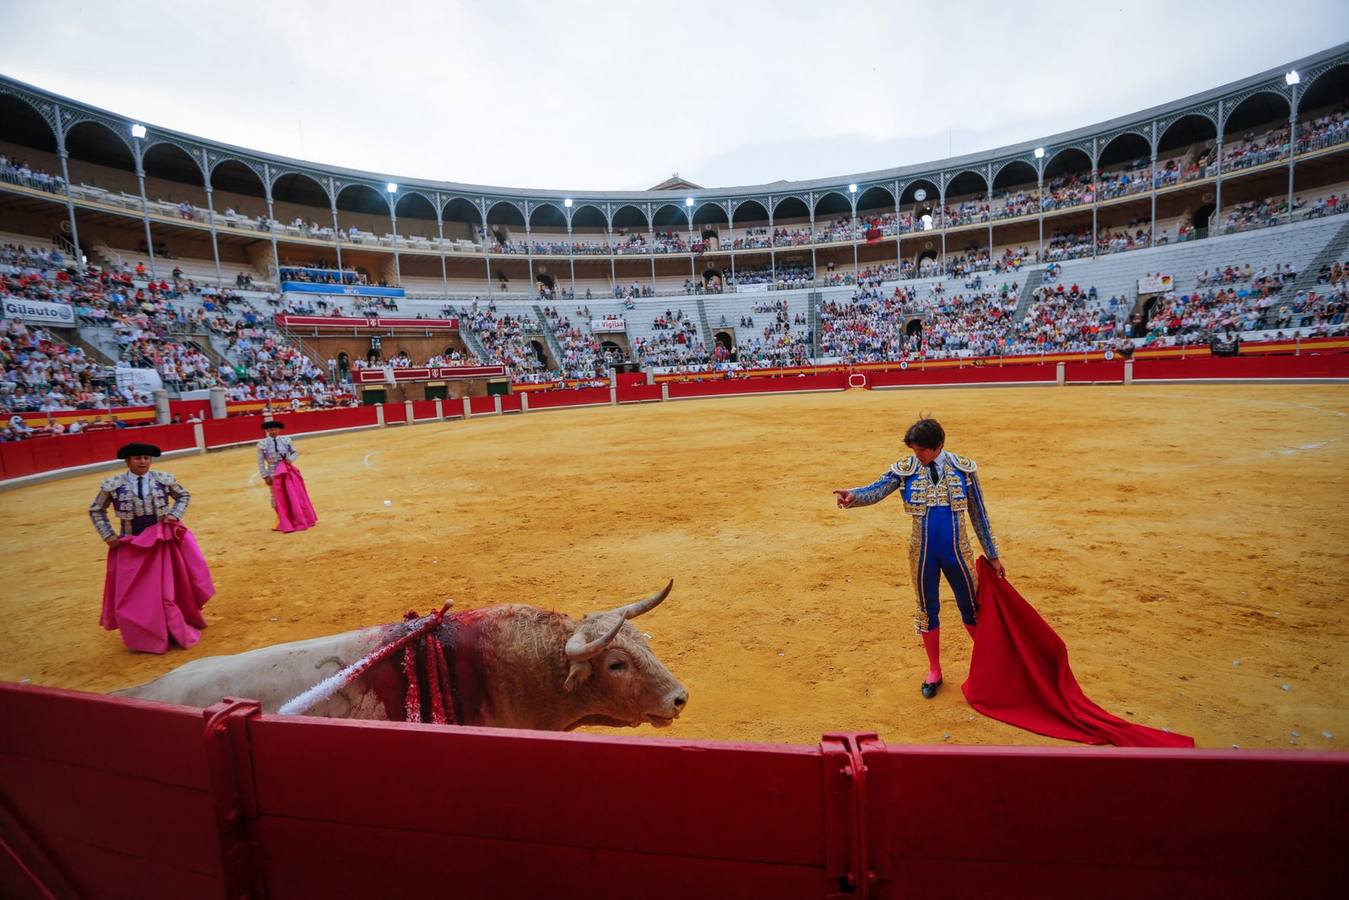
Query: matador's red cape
[{"x": 1019, "y": 674}]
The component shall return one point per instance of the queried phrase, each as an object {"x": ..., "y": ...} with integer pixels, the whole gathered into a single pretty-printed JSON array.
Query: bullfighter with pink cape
[
  {"x": 276, "y": 465},
  {"x": 157, "y": 579}
]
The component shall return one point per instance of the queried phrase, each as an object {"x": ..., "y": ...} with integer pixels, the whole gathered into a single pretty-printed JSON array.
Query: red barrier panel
[
  {"x": 732, "y": 821},
  {"x": 578, "y": 397},
  {"x": 635, "y": 393},
  {"x": 233, "y": 430},
  {"x": 423, "y": 409},
  {"x": 103, "y": 444},
  {"x": 1094, "y": 372},
  {"x": 1318, "y": 365},
  {"x": 52, "y": 452},
  {"x": 323, "y": 420},
  {"x": 187, "y": 408},
  {"x": 510, "y": 403},
  {"x": 481, "y": 406},
  {"x": 394, "y": 413},
  {"x": 830, "y": 382},
  {"x": 17, "y": 458},
  {"x": 111, "y": 797},
  {"x": 1105, "y": 823},
  {"x": 71, "y": 450},
  {"x": 917, "y": 376}
]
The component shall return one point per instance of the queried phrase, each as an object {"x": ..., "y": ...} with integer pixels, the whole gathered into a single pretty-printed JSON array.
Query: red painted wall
[{"x": 107, "y": 797}]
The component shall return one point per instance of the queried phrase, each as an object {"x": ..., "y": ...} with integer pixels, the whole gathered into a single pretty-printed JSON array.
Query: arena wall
[
  {"x": 111, "y": 797},
  {"x": 1323, "y": 360}
]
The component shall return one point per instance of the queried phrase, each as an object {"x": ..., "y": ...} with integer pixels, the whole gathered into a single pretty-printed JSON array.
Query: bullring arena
[
  {"x": 1137, "y": 328},
  {"x": 1137, "y": 519}
]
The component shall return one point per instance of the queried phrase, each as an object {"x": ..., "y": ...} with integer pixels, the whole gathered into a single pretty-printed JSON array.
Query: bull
[{"x": 507, "y": 666}]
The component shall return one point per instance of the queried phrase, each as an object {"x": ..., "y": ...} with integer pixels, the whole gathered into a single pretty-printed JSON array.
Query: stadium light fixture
[
  {"x": 391, "y": 188},
  {"x": 852, "y": 188},
  {"x": 1039, "y": 152},
  {"x": 927, "y": 223},
  {"x": 567, "y": 203},
  {"x": 1292, "y": 78},
  {"x": 137, "y": 130},
  {"x": 688, "y": 201}
]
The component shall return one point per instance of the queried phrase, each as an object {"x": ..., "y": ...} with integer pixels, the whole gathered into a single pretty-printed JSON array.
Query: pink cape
[
  {"x": 294, "y": 512},
  {"x": 1019, "y": 674},
  {"x": 156, "y": 584}
]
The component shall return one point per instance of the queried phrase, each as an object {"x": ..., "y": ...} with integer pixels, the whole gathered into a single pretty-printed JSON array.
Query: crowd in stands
[
  {"x": 40, "y": 373},
  {"x": 150, "y": 325},
  {"x": 324, "y": 272},
  {"x": 1239, "y": 298},
  {"x": 17, "y": 171},
  {"x": 504, "y": 339},
  {"x": 583, "y": 357}
]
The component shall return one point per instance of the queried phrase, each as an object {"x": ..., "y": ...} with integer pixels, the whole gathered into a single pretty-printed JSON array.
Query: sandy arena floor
[{"x": 1188, "y": 543}]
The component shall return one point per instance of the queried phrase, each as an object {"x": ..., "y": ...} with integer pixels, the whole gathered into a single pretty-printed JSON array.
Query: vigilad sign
[{"x": 39, "y": 311}]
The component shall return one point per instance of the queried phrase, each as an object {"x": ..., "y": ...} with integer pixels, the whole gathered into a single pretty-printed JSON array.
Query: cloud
[{"x": 609, "y": 96}]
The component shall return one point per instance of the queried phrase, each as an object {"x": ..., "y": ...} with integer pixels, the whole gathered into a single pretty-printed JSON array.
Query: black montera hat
[
  {"x": 129, "y": 450},
  {"x": 273, "y": 423}
]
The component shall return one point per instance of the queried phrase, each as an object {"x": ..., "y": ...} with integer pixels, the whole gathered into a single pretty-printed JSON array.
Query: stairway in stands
[
  {"x": 549, "y": 337},
  {"x": 474, "y": 343},
  {"x": 815, "y": 300},
  {"x": 1034, "y": 279},
  {"x": 703, "y": 328},
  {"x": 1334, "y": 251}
]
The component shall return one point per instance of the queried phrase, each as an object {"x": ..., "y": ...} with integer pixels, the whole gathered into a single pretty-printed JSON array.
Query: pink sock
[{"x": 932, "y": 644}]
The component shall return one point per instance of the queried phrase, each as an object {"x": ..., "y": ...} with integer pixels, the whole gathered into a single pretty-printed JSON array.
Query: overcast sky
[{"x": 617, "y": 96}]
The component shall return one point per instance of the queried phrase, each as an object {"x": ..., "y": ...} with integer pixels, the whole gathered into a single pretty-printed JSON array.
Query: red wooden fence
[{"x": 105, "y": 797}]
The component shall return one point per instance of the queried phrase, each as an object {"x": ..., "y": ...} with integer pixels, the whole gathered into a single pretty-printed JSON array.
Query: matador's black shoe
[{"x": 930, "y": 688}]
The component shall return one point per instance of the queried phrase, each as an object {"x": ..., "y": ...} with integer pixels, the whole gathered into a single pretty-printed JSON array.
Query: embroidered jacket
[
  {"x": 956, "y": 487},
  {"x": 163, "y": 496},
  {"x": 271, "y": 451}
]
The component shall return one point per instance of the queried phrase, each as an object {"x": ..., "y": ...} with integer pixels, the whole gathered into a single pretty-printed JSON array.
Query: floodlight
[
  {"x": 567, "y": 203},
  {"x": 1039, "y": 152},
  {"x": 1292, "y": 77},
  {"x": 688, "y": 201},
  {"x": 137, "y": 130},
  {"x": 391, "y": 188},
  {"x": 927, "y": 223},
  {"x": 852, "y": 188}
]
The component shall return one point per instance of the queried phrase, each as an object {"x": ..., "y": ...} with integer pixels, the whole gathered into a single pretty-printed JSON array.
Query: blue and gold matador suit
[{"x": 940, "y": 540}]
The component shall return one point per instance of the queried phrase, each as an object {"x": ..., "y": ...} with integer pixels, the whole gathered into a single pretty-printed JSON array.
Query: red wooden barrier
[
  {"x": 501, "y": 814},
  {"x": 233, "y": 430},
  {"x": 1094, "y": 372},
  {"x": 481, "y": 406},
  {"x": 111, "y": 797},
  {"x": 423, "y": 409},
  {"x": 510, "y": 403},
  {"x": 829, "y": 382},
  {"x": 1105, "y": 823},
  {"x": 394, "y": 413},
  {"x": 50, "y": 452},
  {"x": 578, "y": 397},
  {"x": 633, "y": 393},
  {"x": 916, "y": 375},
  {"x": 101, "y": 796},
  {"x": 1317, "y": 365}
]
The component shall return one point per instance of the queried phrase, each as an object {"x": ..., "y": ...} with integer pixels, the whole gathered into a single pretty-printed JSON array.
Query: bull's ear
[{"x": 577, "y": 675}]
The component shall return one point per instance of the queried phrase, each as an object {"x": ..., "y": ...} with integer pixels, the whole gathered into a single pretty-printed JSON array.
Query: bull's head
[{"x": 612, "y": 665}]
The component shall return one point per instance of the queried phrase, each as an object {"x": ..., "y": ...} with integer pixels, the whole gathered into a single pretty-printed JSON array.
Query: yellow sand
[{"x": 1188, "y": 543}]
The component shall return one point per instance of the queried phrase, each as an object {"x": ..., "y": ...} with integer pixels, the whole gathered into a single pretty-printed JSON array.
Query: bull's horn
[
  {"x": 579, "y": 649},
  {"x": 633, "y": 610}
]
